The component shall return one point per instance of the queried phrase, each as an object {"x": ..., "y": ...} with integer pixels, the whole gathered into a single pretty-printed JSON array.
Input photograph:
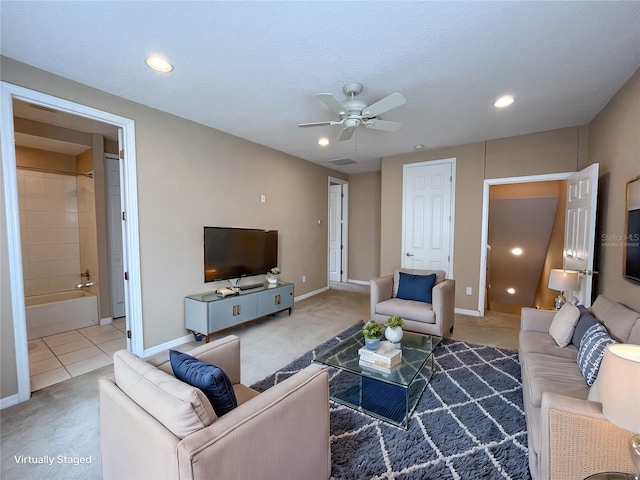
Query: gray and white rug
[{"x": 469, "y": 423}]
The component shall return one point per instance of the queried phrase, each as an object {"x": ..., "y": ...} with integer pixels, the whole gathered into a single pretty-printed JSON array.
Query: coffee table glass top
[{"x": 416, "y": 350}]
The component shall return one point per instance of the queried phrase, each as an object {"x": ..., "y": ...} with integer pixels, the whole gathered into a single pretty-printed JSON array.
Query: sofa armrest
[
  {"x": 443, "y": 299},
  {"x": 381, "y": 289},
  {"x": 577, "y": 440},
  {"x": 286, "y": 427},
  {"x": 536, "y": 319}
]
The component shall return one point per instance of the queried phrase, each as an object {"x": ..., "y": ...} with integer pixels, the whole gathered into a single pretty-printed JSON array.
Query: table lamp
[
  {"x": 563, "y": 281},
  {"x": 619, "y": 390}
]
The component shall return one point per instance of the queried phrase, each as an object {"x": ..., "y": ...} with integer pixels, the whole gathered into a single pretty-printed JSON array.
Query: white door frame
[
  {"x": 129, "y": 192},
  {"x": 452, "y": 199},
  {"x": 344, "y": 258},
  {"x": 485, "y": 223}
]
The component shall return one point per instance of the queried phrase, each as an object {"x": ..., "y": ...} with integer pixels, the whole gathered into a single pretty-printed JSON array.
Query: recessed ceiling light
[
  {"x": 516, "y": 251},
  {"x": 511, "y": 291},
  {"x": 418, "y": 147},
  {"x": 504, "y": 101},
  {"x": 159, "y": 63},
  {"x": 324, "y": 141}
]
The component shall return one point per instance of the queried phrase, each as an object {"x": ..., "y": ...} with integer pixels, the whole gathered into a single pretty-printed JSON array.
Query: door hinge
[
  {"x": 121, "y": 154},
  {"x": 124, "y": 216},
  {"x": 341, "y": 247},
  {"x": 126, "y": 275},
  {"x": 128, "y": 333}
]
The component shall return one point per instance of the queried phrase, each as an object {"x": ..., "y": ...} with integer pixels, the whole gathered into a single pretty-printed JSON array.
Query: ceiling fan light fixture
[
  {"x": 504, "y": 101},
  {"x": 323, "y": 141},
  {"x": 159, "y": 64}
]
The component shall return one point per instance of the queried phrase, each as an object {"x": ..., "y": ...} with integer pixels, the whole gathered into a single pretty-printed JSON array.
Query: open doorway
[
  {"x": 526, "y": 222},
  {"x": 525, "y": 238},
  {"x": 21, "y": 99},
  {"x": 338, "y": 229}
]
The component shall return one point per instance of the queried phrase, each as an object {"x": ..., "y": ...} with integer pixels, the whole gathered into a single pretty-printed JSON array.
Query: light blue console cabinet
[{"x": 207, "y": 313}]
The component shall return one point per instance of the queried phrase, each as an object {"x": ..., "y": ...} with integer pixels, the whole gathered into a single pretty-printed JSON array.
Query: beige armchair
[
  {"x": 154, "y": 426},
  {"x": 436, "y": 318}
]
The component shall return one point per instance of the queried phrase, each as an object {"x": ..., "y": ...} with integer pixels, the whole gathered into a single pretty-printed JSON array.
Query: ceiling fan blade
[
  {"x": 315, "y": 124},
  {"x": 383, "y": 125},
  {"x": 331, "y": 102},
  {"x": 346, "y": 134},
  {"x": 387, "y": 103}
]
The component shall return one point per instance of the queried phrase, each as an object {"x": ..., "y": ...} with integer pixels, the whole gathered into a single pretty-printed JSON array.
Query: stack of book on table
[{"x": 383, "y": 360}]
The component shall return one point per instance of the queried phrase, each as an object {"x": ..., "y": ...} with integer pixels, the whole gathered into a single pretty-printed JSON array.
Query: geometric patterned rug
[{"x": 469, "y": 423}]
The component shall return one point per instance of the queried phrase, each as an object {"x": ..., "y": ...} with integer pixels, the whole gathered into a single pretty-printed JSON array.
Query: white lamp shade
[
  {"x": 619, "y": 385},
  {"x": 563, "y": 280}
]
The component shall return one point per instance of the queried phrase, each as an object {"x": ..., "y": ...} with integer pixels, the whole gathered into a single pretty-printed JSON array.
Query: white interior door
[
  {"x": 427, "y": 216},
  {"x": 114, "y": 229},
  {"x": 579, "y": 239},
  {"x": 335, "y": 233}
]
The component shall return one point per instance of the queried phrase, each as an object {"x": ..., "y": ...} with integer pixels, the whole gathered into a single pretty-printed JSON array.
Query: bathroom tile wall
[{"x": 49, "y": 232}]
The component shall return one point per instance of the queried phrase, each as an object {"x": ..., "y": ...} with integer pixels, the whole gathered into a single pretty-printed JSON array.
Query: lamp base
[
  {"x": 559, "y": 302},
  {"x": 634, "y": 448}
]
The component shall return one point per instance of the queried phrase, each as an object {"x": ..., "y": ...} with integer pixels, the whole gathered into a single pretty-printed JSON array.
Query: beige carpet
[{"x": 61, "y": 421}]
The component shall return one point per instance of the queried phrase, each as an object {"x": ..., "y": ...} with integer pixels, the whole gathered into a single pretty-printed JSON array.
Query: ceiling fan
[{"x": 353, "y": 113}]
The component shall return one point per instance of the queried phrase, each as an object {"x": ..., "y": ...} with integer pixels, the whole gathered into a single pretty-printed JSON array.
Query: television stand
[{"x": 207, "y": 313}]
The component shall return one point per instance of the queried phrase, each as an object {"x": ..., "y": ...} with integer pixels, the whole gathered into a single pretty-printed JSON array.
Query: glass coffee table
[{"x": 390, "y": 397}]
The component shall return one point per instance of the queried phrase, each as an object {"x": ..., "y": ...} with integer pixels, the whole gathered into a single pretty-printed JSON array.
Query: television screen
[
  {"x": 238, "y": 252},
  {"x": 632, "y": 260}
]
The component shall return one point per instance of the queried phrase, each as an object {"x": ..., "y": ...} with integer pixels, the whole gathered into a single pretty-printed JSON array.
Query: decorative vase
[
  {"x": 271, "y": 278},
  {"x": 394, "y": 335},
  {"x": 372, "y": 343}
]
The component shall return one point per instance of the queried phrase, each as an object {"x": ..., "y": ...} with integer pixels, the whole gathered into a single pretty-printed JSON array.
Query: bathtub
[{"x": 60, "y": 312}]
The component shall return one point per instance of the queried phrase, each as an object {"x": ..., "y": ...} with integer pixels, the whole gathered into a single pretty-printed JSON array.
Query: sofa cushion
[
  {"x": 585, "y": 321},
  {"x": 618, "y": 319},
  {"x": 545, "y": 373},
  {"x": 407, "y": 309},
  {"x": 563, "y": 324},
  {"x": 416, "y": 287},
  {"x": 531, "y": 341},
  {"x": 207, "y": 377},
  {"x": 181, "y": 408},
  {"x": 440, "y": 276},
  {"x": 591, "y": 351}
]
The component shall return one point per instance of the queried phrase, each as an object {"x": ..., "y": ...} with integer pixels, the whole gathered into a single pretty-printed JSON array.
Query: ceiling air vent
[{"x": 342, "y": 161}]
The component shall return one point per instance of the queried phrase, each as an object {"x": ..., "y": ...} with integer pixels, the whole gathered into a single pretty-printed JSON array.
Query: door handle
[
  {"x": 409, "y": 254},
  {"x": 584, "y": 271}
]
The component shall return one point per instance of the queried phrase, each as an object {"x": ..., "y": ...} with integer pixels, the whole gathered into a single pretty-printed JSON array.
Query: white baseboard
[
  {"x": 9, "y": 401},
  {"x": 359, "y": 282},
  {"x": 106, "y": 320},
  {"x": 471, "y": 313},
  {"x": 310, "y": 294},
  {"x": 167, "y": 345}
]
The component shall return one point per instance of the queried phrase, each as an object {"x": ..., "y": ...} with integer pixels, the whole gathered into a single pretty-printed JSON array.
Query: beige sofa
[
  {"x": 154, "y": 426},
  {"x": 434, "y": 318},
  {"x": 568, "y": 436}
]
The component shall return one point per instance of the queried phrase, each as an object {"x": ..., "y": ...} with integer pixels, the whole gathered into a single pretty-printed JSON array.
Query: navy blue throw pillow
[
  {"x": 213, "y": 382},
  {"x": 416, "y": 287},
  {"x": 585, "y": 321}
]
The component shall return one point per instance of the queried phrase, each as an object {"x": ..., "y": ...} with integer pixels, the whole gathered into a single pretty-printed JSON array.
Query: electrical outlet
[
  {"x": 469, "y": 291},
  {"x": 304, "y": 278}
]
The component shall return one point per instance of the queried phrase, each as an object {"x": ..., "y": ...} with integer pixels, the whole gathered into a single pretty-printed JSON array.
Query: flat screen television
[
  {"x": 632, "y": 237},
  {"x": 231, "y": 252}
]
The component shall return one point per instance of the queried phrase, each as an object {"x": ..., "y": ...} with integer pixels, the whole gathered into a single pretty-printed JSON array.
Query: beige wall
[
  {"x": 614, "y": 143},
  {"x": 190, "y": 176},
  {"x": 539, "y": 153},
  {"x": 364, "y": 226}
]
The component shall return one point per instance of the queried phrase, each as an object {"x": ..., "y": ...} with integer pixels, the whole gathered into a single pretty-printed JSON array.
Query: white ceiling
[{"x": 252, "y": 69}]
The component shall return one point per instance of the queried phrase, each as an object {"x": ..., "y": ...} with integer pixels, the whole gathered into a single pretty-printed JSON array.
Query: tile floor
[{"x": 58, "y": 357}]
